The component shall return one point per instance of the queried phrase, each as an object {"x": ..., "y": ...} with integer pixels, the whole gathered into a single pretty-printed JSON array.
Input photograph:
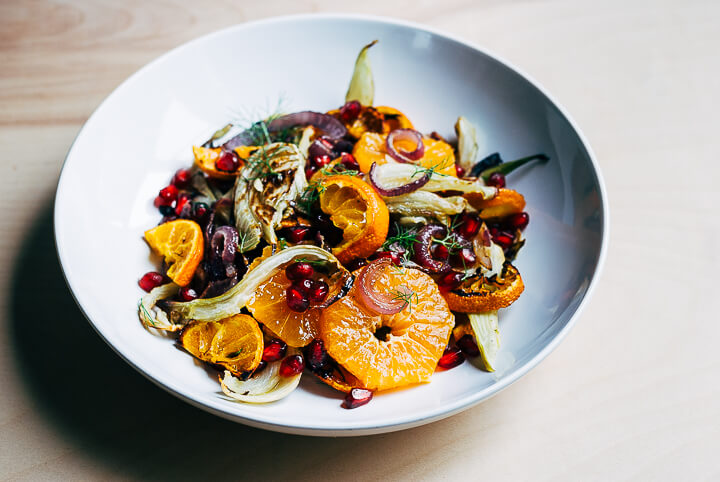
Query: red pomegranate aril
[
  {"x": 160, "y": 202},
  {"x": 169, "y": 193},
  {"x": 449, "y": 281},
  {"x": 322, "y": 161},
  {"x": 503, "y": 239},
  {"x": 150, "y": 280},
  {"x": 274, "y": 350},
  {"x": 227, "y": 161},
  {"x": 292, "y": 365},
  {"x": 298, "y": 233},
  {"x": 519, "y": 220},
  {"x": 357, "y": 397},
  {"x": 465, "y": 258},
  {"x": 181, "y": 178},
  {"x": 188, "y": 294},
  {"x": 348, "y": 160},
  {"x": 468, "y": 346},
  {"x": 309, "y": 171},
  {"x": 183, "y": 206},
  {"x": 496, "y": 179},
  {"x": 357, "y": 264},
  {"x": 459, "y": 171},
  {"x": 317, "y": 357},
  {"x": 394, "y": 257},
  {"x": 200, "y": 210},
  {"x": 350, "y": 111},
  {"x": 261, "y": 366},
  {"x": 304, "y": 286},
  {"x": 296, "y": 300},
  {"x": 439, "y": 252},
  {"x": 318, "y": 292},
  {"x": 452, "y": 357},
  {"x": 494, "y": 230},
  {"x": 470, "y": 225},
  {"x": 299, "y": 271}
]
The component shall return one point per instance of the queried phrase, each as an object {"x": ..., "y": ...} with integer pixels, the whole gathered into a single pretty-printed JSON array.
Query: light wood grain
[{"x": 633, "y": 393}]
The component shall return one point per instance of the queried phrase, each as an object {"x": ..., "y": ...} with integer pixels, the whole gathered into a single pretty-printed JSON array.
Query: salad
[{"x": 343, "y": 245}]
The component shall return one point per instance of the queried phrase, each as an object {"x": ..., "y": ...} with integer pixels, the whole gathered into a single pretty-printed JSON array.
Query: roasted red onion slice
[
  {"x": 379, "y": 303},
  {"x": 401, "y": 155},
  {"x": 224, "y": 244},
  {"x": 399, "y": 190},
  {"x": 325, "y": 122},
  {"x": 421, "y": 248}
]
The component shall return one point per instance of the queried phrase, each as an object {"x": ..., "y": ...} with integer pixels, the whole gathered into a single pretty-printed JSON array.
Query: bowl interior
[{"x": 144, "y": 131}]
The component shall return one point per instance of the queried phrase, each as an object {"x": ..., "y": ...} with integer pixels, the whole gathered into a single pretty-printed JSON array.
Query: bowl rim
[{"x": 401, "y": 422}]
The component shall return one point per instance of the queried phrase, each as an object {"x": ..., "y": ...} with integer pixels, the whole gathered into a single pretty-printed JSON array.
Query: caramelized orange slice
[{"x": 181, "y": 244}]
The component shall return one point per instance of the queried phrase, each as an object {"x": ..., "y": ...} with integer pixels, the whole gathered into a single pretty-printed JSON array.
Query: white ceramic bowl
[{"x": 143, "y": 132}]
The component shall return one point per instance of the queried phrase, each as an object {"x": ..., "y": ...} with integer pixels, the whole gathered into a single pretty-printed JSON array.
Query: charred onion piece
[
  {"x": 421, "y": 248},
  {"x": 223, "y": 244},
  {"x": 379, "y": 303},
  {"x": 327, "y": 123},
  {"x": 399, "y": 190},
  {"x": 402, "y": 155}
]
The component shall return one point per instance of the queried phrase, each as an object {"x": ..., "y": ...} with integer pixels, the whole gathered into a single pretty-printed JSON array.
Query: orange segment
[
  {"x": 269, "y": 306},
  {"x": 478, "y": 295},
  {"x": 507, "y": 202},
  {"x": 438, "y": 155},
  {"x": 418, "y": 334},
  {"x": 206, "y": 157},
  {"x": 181, "y": 244},
  {"x": 235, "y": 343},
  {"x": 393, "y": 119},
  {"x": 356, "y": 208}
]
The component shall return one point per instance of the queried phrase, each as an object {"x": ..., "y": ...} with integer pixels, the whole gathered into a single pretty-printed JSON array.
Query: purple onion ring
[
  {"x": 421, "y": 248},
  {"x": 402, "y": 155},
  {"x": 399, "y": 190},
  {"x": 224, "y": 243},
  {"x": 325, "y": 122}
]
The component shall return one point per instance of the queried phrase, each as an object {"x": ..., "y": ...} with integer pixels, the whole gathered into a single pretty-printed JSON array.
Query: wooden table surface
[{"x": 632, "y": 393}]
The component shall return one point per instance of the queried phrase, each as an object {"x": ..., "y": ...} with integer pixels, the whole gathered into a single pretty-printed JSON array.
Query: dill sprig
[{"x": 407, "y": 296}]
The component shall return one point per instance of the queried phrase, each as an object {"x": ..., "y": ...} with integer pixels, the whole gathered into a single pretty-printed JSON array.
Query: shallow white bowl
[{"x": 143, "y": 132}]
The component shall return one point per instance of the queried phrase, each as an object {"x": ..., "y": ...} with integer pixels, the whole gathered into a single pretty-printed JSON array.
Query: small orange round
[
  {"x": 507, "y": 202},
  {"x": 393, "y": 119},
  {"x": 358, "y": 210},
  {"x": 438, "y": 155},
  {"x": 180, "y": 242},
  {"x": 479, "y": 295},
  {"x": 205, "y": 158}
]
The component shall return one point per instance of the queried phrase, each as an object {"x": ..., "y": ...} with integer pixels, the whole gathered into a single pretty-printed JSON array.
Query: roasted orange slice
[
  {"x": 393, "y": 119},
  {"x": 507, "y": 202},
  {"x": 205, "y": 158},
  {"x": 269, "y": 306},
  {"x": 180, "y": 242},
  {"x": 359, "y": 211},
  {"x": 412, "y": 341},
  {"x": 235, "y": 343},
  {"x": 478, "y": 294},
  {"x": 438, "y": 155}
]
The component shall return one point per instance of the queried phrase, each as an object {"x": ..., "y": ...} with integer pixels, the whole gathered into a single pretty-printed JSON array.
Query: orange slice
[
  {"x": 235, "y": 343},
  {"x": 393, "y": 119},
  {"x": 356, "y": 208},
  {"x": 507, "y": 202},
  {"x": 417, "y": 335},
  {"x": 180, "y": 242},
  {"x": 438, "y": 155},
  {"x": 206, "y": 157},
  {"x": 269, "y": 306},
  {"x": 478, "y": 295}
]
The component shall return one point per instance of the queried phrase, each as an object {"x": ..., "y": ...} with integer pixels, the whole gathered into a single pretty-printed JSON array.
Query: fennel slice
[{"x": 487, "y": 336}]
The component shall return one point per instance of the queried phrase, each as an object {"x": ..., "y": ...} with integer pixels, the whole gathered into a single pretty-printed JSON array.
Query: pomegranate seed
[
  {"x": 317, "y": 357},
  {"x": 460, "y": 171},
  {"x": 464, "y": 258},
  {"x": 494, "y": 230},
  {"x": 296, "y": 300},
  {"x": 150, "y": 280},
  {"x": 439, "y": 252},
  {"x": 299, "y": 271},
  {"x": 160, "y": 202},
  {"x": 181, "y": 178},
  {"x": 519, "y": 220},
  {"x": 298, "y": 233},
  {"x": 468, "y": 346},
  {"x": 261, "y": 366},
  {"x": 449, "y": 281},
  {"x": 167, "y": 210},
  {"x": 394, "y": 257},
  {"x": 357, "y": 264},
  {"x": 350, "y": 111},
  {"x": 496, "y": 179},
  {"x": 470, "y": 225},
  {"x": 322, "y": 161},
  {"x": 200, "y": 210},
  {"x": 183, "y": 206},
  {"x": 227, "y": 161},
  {"x": 292, "y": 365},
  {"x": 318, "y": 292},
  {"x": 357, "y": 397},
  {"x": 188, "y": 294},
  {"x": 452, "y": 357},
  {"x": 304, "y": 286},
  {"x": 309, "y": 171},
  {"x": 505, "y": 240},
  {"x": 169, "y": 194},
  {"x": 348, "y": 160},
  {"x": 275, "y": 350}
]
